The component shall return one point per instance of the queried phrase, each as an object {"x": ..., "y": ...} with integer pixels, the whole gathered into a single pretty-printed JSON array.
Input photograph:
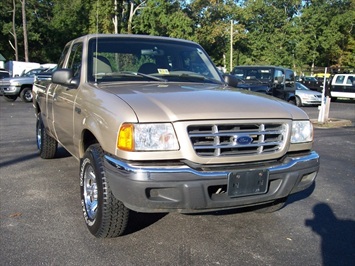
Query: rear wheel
[
  {"x": 105, "y": 216},
  {"x": 26, "y": 95},
  {"x": 47, "y": 146},
  {"x": 10, "y": 98}
]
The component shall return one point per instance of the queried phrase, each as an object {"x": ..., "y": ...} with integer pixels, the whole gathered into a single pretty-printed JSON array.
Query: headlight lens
[
  {"x": 147, "y": 137},
  {"x": 302, "y": 131}
]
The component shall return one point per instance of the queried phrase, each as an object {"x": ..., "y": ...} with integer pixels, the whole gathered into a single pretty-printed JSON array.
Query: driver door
[{"x": 64, "y": 101}]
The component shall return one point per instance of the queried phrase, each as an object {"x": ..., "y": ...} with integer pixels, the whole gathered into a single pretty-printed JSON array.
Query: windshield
[
  {"x": 258, "y": 74},
  {"x": 136, "y": 59},
  {"x": 300, "y": 86}
]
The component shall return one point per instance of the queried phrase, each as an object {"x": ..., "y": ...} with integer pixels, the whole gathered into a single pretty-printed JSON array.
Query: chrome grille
[{"x": 223, "y": 139}]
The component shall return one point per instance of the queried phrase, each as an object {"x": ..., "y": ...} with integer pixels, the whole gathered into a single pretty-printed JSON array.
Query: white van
[{"x": 342, "y": 86}]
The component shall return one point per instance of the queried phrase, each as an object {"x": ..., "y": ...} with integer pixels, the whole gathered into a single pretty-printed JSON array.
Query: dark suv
[{"x": 273, "y": 80}]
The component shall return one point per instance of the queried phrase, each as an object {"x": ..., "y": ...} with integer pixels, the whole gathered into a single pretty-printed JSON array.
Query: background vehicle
[
  {"x": 307, "y": 97},
  {"x": 16, "y": 68},
  {"x": 21, "y": 86},
  {"x": 311, "y": 83},
  {"x": 342, "y": 86},
  {"x": 4, "y": 74},
  {"x": 272, "y": 80}
]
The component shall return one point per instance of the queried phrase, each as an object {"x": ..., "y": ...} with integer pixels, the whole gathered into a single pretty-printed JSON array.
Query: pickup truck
[
  {"x": 272, "y": 80},
  {"x": 13, "y": 87},
  {"x": 155, "y": 128}
]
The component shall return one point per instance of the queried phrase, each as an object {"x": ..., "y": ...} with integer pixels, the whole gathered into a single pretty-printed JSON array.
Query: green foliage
[{"x": 293, "y": 33}]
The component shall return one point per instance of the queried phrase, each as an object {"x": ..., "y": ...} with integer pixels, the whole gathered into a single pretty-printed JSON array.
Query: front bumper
[
  {"x": 187, "y": 190},
  {"x": 10, "y": 90}
]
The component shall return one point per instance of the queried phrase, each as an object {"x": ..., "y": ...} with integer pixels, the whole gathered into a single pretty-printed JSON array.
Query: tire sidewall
[
  {"x": 24, "y": 95},
  {"x": 39, "y": 127},
  {"x": 92, "y": 158}
]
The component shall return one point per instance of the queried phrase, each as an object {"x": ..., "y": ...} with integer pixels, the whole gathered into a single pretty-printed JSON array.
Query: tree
[
  {"x": 164, "y": 18},
  {"x": 271, "y": 38}
]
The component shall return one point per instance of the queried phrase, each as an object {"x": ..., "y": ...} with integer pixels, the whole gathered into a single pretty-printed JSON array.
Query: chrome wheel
[
  {"x": 90, "y": 192},
  {"x": 39, "y": 136}
]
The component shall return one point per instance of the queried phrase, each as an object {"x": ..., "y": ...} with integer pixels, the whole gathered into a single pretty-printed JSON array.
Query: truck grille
[{"x": 237, "y": 139}]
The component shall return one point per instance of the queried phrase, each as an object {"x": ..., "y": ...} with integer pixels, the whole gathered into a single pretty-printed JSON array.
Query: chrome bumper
[{"x": 184, "y": 189}]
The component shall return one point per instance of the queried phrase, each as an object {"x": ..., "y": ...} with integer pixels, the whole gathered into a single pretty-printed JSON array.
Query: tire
[
  {"x": 272, "y": 207},
  {"x": 10, "y": 98},
  {"x": 292, "y": 101},
  {"x": 26, "y": 95},
  {"x": 298, "y": 102},
  {"x": 104, "y": 215},
  {"x": 47, "y": 146},
  {"x": 333, "y": 99}
]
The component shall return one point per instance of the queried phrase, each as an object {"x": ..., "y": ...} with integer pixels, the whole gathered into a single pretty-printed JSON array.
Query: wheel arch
[{"x": 88, "y": 138}]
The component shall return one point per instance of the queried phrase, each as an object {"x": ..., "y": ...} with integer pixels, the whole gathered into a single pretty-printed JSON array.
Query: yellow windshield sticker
[{"x": 163, "y": 71}]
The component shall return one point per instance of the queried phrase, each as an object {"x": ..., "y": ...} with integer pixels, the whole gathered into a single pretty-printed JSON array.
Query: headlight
[
  {"x": 302, "y": 131},
  {"x": 147, "y": 137},
  {"x": 15, "y": 84}
]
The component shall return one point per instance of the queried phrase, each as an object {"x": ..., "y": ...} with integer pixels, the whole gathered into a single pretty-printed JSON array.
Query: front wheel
[
  {"x": 47, "y": 146},
  {"x": 26, "y": 95},
  {"x": 298, "y": 101},
  {"x": 104, "y": 215}
]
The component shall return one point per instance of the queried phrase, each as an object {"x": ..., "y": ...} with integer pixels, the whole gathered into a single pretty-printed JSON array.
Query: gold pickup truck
[{"x": 156, "y": 128}]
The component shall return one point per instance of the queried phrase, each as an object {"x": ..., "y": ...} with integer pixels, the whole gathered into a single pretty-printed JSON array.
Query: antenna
[{"x": 96, "y": 41}]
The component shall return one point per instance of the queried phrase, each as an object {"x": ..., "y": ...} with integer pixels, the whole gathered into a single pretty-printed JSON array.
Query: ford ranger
[{"x": 156, "y": 128}]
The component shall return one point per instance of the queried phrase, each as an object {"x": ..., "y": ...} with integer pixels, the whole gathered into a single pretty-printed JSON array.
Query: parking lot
[{"x": 42, "y": 223}]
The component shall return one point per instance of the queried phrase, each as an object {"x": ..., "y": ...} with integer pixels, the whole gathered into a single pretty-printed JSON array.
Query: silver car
[{"x": 307, "y": 97}]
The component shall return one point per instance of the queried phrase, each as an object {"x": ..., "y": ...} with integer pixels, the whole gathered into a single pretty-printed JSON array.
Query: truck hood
[
  {"x": 21, "y": 80},
  {"x": 195, "y": 101}
]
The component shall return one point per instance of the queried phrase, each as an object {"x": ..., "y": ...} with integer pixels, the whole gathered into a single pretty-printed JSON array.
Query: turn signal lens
[{"x": 125, "y": 137}]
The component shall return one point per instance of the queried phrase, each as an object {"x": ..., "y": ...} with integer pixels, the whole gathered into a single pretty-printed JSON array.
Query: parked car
[
  {"x": 311, "y": 83},
  {"x": 307, "y": 97},
  {"x": 342, "y": 86}
]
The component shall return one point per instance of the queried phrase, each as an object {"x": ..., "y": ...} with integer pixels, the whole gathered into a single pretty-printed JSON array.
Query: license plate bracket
[{"x": 246, "y": 183}]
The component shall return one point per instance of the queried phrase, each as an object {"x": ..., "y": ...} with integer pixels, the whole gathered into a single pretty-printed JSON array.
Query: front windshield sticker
[{"x": 163, "y": 71}]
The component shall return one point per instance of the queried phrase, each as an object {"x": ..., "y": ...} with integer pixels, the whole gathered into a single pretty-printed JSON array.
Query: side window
[
  {"x": 62, "y": 57},
  {"x": 290, "y": 78},
  {"x": 75, "y": 59},
  {"x": 278, "y": 76},
  {"x": 339, "y": 79},
  {"x": 351, "y": 80}
]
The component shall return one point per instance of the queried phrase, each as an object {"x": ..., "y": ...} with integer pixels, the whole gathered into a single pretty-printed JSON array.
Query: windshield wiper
[
  {"x": 191, "y": 77},
  {"x": 132, "y": 73}
]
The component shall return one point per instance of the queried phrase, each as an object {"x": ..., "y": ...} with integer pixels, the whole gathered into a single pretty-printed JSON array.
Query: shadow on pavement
[{"x": 337, "y": 236}]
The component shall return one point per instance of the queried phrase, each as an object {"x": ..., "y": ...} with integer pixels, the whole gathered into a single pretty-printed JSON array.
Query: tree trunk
[
  {"x": 14, "y": 30},
  {"x": 24, "y": 25}
]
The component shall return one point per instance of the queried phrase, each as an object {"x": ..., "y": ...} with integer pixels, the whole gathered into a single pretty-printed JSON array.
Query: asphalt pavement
[{"x": 42, "y": 223}]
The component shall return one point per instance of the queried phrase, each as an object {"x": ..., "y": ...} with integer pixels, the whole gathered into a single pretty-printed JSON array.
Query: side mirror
[
  {"x": 230, "y": 80},
  {"x": 64, "y": 77}
]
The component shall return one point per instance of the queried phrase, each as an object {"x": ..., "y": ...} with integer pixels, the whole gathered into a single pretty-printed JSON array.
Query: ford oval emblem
[{"x": 244, "y": 140}]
